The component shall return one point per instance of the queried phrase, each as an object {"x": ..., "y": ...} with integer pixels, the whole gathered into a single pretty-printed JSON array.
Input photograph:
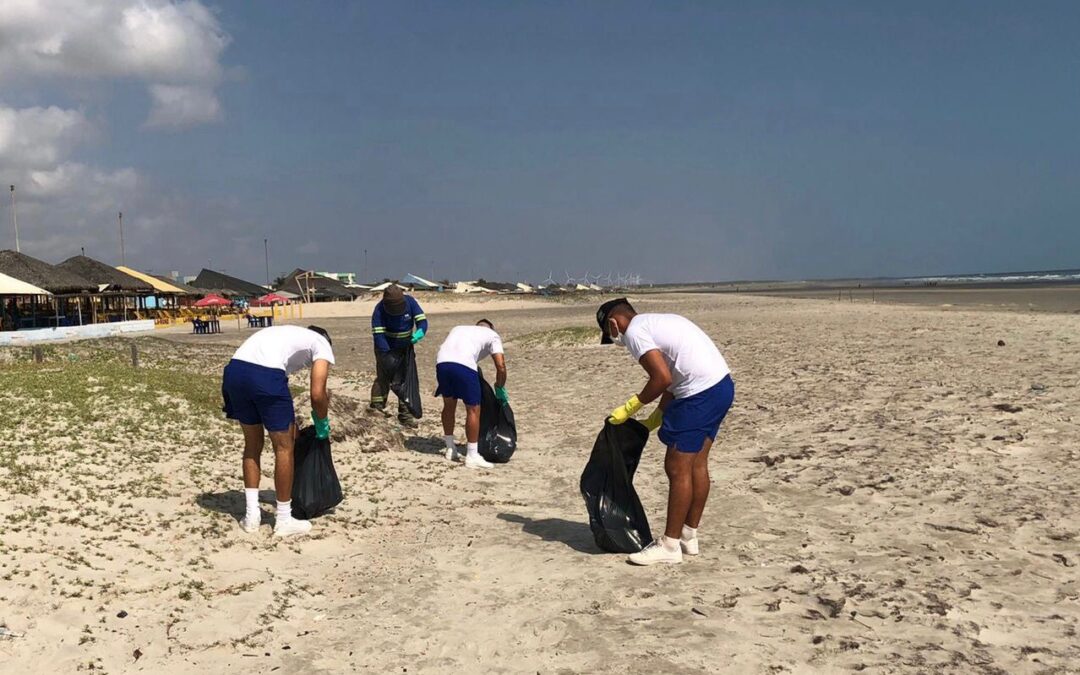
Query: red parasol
[
  {"x": 213, "y": 300},
  {"x": 270, "y": 299}
]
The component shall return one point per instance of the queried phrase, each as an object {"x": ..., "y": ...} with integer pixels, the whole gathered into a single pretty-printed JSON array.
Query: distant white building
[{"x": 347, "y": 278}]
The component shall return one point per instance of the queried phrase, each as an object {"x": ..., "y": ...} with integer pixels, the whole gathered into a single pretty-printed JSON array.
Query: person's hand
[
  {"x": 653, "y": 421},
  {"x": 322, "y": 426},
  {"x": 501, "y": 395},
  {"x": 417, "y": 335},
  {"x": 625, "y": 411}
]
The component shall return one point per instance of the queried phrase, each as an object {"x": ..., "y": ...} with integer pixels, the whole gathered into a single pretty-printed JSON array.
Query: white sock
[
  {"x": 473, "y": 449},
  {"x": 449, "y": 440},
  {"x": 284, "y": 511},
  {"x": 689, "y": 533},
  {"x": 251, "y": 499},
  {"x": 670, "y": 544}
]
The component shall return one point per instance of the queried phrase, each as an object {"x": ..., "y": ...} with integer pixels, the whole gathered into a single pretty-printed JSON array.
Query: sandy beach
[{"x": 894, "y": 491}]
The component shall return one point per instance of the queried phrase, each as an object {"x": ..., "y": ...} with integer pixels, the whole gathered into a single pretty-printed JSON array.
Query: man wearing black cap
[
  {"x": 397, "y": 323},
  {"x": 693, "y": 382}
]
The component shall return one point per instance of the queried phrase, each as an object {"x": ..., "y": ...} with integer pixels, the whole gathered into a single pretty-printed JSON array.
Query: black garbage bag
[
  {"x": 404, "y": 379},
  {"x": 315, "y": 488},
  {"x": 498, "y": 432},
  {"x": 616, "y": 517}
]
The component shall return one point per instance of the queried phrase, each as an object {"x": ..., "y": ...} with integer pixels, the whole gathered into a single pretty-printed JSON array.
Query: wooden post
[
  {"x": 39, "y": 355},
  {"x": 134, "y": 355}
]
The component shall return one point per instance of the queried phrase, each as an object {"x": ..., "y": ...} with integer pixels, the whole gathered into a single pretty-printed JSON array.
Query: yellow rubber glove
[
  {"x": 625, "y": 411},
  {"x": 653, "y": 422}
]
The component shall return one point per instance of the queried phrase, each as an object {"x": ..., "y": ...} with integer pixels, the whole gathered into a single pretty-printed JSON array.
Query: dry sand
[{"x": 893, "y": 492}]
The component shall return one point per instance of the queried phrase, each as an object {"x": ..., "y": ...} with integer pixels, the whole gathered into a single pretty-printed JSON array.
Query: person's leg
[
  {"x": 472, "y": 423},
  {"x": 405, "y": 416},
  {"x": 449, "y": 413},
  {"x": 701, "y": 486},
  {"x": 252, "y": 470},
  {"x": 666, "y": 549},
  {"x": 679, "y": 467},
  {"x": 283, "y": 442},
  {"x": 473, "y": 460},
  {"x": 380, "y": 388}
]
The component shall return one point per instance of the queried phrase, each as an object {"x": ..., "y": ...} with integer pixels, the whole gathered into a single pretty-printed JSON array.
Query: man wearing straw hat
[{"x": 397, "y": 323}]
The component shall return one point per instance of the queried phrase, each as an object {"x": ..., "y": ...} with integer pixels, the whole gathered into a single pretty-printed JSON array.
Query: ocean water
[{"x": 1034, "y": 277}]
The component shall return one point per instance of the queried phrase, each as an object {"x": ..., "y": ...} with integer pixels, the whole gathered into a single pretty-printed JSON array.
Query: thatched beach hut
[
  {"x": 314, "y": 287},
  {"x": 225, "y": 285},
  {"x": 107, "y": 277},
  {"x": 119, "y": 295},
  {"x": 61, "y": 308}
]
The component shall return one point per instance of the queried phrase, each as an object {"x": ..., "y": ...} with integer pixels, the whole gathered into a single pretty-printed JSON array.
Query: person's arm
[
  {"x": 378, "y": 330},
  {"x": 500, "y": 370},
  {"x": 418, "y": 316},
  {"x": 659, "y": 376},
  {"x": 653, "y": 422},
  {"x": 659, "y": 380},
  {"x": 320, "y": 395}
]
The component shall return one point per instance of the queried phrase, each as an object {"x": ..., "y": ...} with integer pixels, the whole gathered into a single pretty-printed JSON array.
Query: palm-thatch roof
[
  {"x": 320, "y": 287},
  {"x": 107, "y": 277},
  {"x": 223, "y": 284},
  {"x": 43, "y": 275},
  {"x": 191, "y": 290}
]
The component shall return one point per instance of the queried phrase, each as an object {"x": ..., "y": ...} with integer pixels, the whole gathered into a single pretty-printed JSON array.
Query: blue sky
[{"x": 678, "y": 141}]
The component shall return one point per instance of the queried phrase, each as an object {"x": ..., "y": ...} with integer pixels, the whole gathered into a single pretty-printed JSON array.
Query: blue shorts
[
  {"x": 257, "y": 395},
  {"x": 689, "y": 421},
  {"x": 458, "y": 381}
]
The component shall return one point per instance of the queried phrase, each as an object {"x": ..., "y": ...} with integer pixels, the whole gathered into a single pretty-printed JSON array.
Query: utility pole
[
  {"x": 15, "y": 220},
  {"x": 266, "y": 252},
  {"x": 365, "y": 265},
  {"x": 123, "y": 259}
]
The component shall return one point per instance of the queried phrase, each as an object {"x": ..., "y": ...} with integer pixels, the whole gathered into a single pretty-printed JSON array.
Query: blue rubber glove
[
  {"x": 501, "y": 395},
  {"x": 417, "y": 335},
  {"x": 322, "y": 426}
]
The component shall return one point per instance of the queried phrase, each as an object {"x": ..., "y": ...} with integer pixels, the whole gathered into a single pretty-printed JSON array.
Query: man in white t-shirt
[
  {"x": 693, "y": 382},
  {"x": 255, "y": 388},
  {"x": 458, "y": 375}
]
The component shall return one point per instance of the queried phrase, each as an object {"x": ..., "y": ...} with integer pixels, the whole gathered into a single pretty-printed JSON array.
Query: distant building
[{"x": 347, "y": 278}]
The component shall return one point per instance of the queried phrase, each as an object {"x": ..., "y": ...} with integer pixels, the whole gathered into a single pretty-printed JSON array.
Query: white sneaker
[
  {"x": 452, "y": 455},
  {"x": 287, "y": 528},
  {"x": 250, "y": 526},
  {"x": 478, "y": 462},
  {"x": 689, "y": 546},
  {"x": 655, "y": 553}
]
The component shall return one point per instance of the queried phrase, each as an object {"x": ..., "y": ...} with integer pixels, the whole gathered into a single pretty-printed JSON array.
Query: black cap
[{"x": 602, "y": 317}]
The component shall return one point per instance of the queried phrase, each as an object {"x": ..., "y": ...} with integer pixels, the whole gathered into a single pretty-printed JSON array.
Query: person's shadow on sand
[
  {"x": 425, "y": 446},
  {"x": 574, "y": 534},
  {"x": 231, "y": 502}
]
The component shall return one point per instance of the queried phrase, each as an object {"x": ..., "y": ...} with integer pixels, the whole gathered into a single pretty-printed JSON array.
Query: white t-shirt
[
  {"x": 469, "y": 345},
  {"x": 694, "y": 361},
  {"x": 288, "y": 348}
]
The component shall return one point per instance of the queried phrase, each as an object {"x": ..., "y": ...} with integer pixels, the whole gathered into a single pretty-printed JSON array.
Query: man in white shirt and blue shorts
[
  {"x": 255, "y": 389},
  {"x": 693, "y": 382},
  {"x": 458, "y": 375}
]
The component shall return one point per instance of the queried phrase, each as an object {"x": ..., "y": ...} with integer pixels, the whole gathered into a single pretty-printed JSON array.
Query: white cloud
[
  {"x": 34, "y": 138},
  {"x": 174, "y": 46},
  {"x": 178, "y": 106}
]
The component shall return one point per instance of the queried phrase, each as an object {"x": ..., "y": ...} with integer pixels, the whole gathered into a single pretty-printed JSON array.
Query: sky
[{"x": 678, "y": 141}]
